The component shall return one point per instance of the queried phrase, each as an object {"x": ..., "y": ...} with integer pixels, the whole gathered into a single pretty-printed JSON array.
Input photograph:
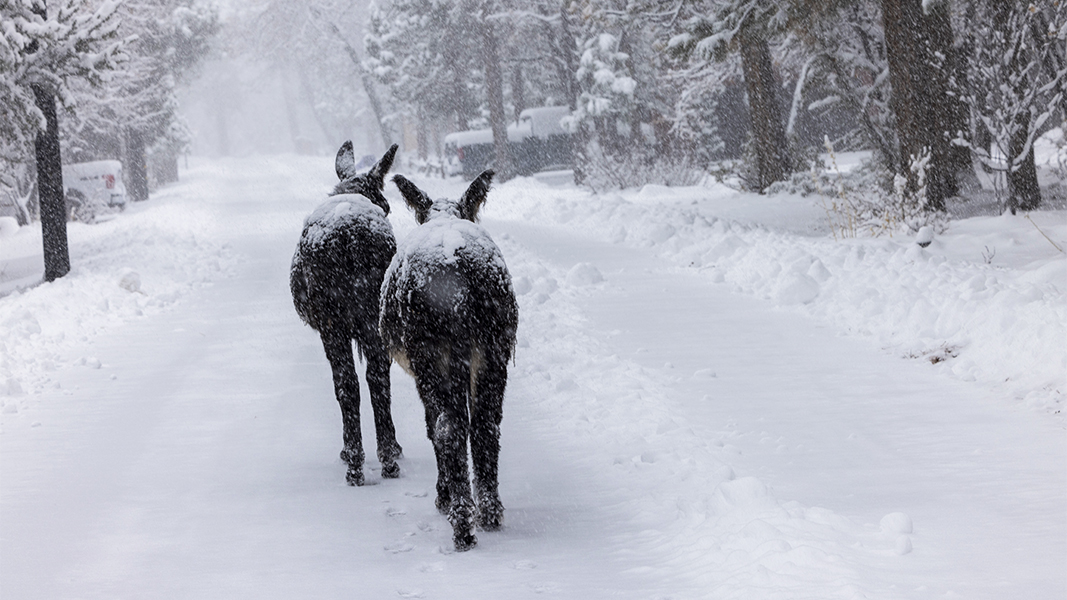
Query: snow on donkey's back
[{"x": 449, "y": 317}]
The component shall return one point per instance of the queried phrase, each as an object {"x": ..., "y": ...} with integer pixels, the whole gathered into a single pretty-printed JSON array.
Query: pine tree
[
  {"x": 419, "y": 50},
  {"x": 747, "y": 27}
]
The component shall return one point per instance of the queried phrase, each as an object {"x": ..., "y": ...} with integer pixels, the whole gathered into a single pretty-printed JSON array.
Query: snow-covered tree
[
  {"x": 1015, "y": 82},
  {"x": 138, "y": 112},
  {"x": 45, "y": 52},
  {"x": 418, "y": 50},
  {"x": 623, "y": 98},
  {"x": 719, "y": 27},
  {"x": 443, "y": 58},
  {"x": 844, "y": 65},
  {"x": 606, "y": 101},
  {"x": 305, "y": 55}
]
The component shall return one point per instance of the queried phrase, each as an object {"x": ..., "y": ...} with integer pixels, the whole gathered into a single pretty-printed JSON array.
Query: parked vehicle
[
  {"x": 471, "y": 152},
  {"x": 93, "y": 189},
  {"x": 538, "y": 143}
]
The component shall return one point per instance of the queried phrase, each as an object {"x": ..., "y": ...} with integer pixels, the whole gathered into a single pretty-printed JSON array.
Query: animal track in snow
[{"x": 400, "y": 547}]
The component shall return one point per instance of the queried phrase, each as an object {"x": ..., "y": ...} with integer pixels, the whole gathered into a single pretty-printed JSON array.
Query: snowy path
[
  {"x": 662, "y": 439},
  {"x": 836, "y": 423}
]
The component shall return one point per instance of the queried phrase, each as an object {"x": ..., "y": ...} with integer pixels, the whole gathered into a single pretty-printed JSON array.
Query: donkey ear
[
  {"x": 415, "y": 198},
  {"x": 345, "y": 163},
  {"x": 474, "y": 197},
  {"x": 380, "y": 168}
]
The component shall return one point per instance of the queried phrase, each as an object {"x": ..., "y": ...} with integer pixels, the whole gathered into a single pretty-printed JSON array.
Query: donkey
[
  {"x": 336, "y": 277},
  {"x": 448, "y": 317}
]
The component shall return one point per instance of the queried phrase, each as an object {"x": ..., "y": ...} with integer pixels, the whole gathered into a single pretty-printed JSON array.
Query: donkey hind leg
[
  {"x": 378, "y": 383},
  {"x": 486, "y": 414},
  {"x": 450, "y": 443},
  {"x": 431, "y": 386},
  {"x": 338, "y": 346},
  {"x": 454, "y": 436}
]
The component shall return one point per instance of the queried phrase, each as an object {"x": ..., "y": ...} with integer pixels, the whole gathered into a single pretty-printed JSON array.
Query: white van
[{"x": 93, "y": 189}]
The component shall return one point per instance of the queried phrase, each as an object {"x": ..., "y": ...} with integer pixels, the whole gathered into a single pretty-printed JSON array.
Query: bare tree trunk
[
  {"x": 518, "y": 91},
  {"x": 567, "y": 48},
  {"x": 368, "y": 84},
  {"x": 222, "y": 122},
  {"x": 494, "y": 87},
  {"x": 169, "y": 168},
  {"x": 768, "y": 129},
  {"x": 291, "y": 116},
  {"x": 949, "y": 112},
  {"x": 919, "y": 100},
  {"x": 1023, "y": 190},
  {"x": 422, "y": 137},
  {"x": 136, "y": 165},
  {"x": 50, "y": 190},
  {"x": 1022, "y": 174}
]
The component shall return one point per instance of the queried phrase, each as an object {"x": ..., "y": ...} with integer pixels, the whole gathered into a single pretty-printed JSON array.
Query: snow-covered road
[{"x": 663, "y": 436}]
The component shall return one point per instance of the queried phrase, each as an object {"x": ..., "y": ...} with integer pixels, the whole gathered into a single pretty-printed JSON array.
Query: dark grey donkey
[
  {"x": 336, "y": 279},
  {"x": 448, "y": 316}
]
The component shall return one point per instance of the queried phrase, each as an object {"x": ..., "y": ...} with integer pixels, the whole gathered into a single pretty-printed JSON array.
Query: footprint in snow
[
  {"x": 411, "y": 593},
  {"x": 400, "y": 547},
  {"x": 524, "y": 565},
  {"x": 434, "y": 567},
  {"x": 395, "y": 512},
  {"x": 704, "y": 374},
  {"x": 546, "y": 588}
]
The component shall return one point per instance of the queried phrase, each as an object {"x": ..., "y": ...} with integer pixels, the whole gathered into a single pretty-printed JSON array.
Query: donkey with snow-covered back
[
  {"x": 448, "y": 316},
  {"x": 336, "y": 278}
]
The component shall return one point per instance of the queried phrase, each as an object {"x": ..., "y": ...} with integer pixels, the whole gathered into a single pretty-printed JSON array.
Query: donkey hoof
[
  {"x": 464, "y": 541},
  {"x": 390, "y": 470},
  {"x": 354, "y": 477},
  {"x": 443, "y": 503},
  {"x": 490, "y": 512},
  {"x": 491, "y": 521}
]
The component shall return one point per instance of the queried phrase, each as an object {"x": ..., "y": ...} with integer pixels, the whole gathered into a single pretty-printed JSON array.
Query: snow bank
[
  {"x": 683, "y": 507},
  {"x": 139, "y": 264},
  {"x": 8, "y": 227},
  {"x": 984, "y": 302}
]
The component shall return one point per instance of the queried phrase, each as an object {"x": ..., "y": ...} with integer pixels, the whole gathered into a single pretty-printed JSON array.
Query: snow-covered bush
[
  {"x": 870, "y": 201},
  {"x": 604, "y": 171},
  {"x": 606, "y": 102},
  {"x": 619, "y": 147},
  {"x": 1016, "y": 83}
]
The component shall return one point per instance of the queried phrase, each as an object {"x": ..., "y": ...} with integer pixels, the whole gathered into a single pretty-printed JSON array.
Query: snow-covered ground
[{"x": 711, "y": 399}]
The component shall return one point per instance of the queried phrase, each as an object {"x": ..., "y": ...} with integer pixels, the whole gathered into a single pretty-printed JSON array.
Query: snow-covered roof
[
  {"x": 541, "y": 122},
  {"x": 474, "y": 137},
  {"x": 92, "y": 169},
  {"x": 544, "y": 121},
  {"x": 462, "y": 139}
]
